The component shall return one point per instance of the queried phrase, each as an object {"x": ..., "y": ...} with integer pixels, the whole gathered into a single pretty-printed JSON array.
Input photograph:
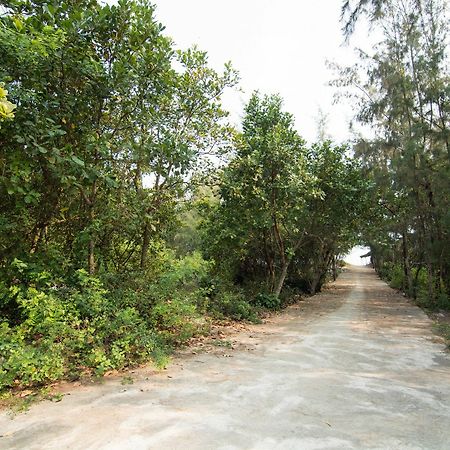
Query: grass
[
  {"x": 222, "y": 343},
  {"x": 20, "y": 402},
  {"x": 127, "y": 380},
  {"x": 443, "y": 329}
]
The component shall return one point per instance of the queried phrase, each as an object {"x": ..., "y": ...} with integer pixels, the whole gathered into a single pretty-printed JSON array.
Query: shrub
[
  {"x": 396, "y": 277},
  {"x": 27, "y": 364},
  {"x": 268, "y": 301},
  {"x": 233, "y": 305},
  {"x": 69, "y": 330},
  {"x": 177, "y": 320}
]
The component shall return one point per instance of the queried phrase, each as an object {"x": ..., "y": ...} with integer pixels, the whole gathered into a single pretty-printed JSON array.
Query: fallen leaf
[{"x": 25, "y": 393}]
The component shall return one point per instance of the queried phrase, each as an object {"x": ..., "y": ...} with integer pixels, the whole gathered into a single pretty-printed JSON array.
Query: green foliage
[
  {"x": 401, "y": 91},
  {"x": 111, "y": 123},
  {"x": 106, "y": 132},
  {"x": 65, "y": 330},
  {"x": 396, "y": 276},
  {"x": 231, "y": 304},
  {"x": 6, "y": 107},
  {"x": 443, "y": 329},
  {"x": 286, "y": 210},
  {"x": 263, "y": 193},
  {"x": 177, "y": 320},
  {"x": 268, "y": 301},
  {"x": 25, "y": 364},
  {"x": 180, "y": 298}
]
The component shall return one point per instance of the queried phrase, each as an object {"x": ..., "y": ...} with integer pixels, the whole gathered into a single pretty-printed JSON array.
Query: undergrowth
[
  {"x": 443, "y": 329},
  {"x": 88, "y": 325}
]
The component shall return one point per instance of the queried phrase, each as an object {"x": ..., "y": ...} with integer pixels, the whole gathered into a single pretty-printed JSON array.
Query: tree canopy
[{"x": 404, "y": 96}]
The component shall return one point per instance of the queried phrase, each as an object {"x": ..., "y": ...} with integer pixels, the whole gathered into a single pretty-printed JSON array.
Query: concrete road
[{"x": 355, "y": 367}]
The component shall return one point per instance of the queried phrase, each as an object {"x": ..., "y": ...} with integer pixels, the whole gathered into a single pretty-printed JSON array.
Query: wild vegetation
[
  {"x": 133, "y": 214},
  {"x": 402, "y": 93}
]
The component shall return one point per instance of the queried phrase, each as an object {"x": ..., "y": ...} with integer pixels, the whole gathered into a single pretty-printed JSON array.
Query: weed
[
  {"x": 127, "y": 380},
  {"x": 222, "y": 343},
  {"x": 443, "y": 329}
]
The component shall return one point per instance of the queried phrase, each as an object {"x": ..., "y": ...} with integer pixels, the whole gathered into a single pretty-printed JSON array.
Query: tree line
[{"x": 402, "y": 92}]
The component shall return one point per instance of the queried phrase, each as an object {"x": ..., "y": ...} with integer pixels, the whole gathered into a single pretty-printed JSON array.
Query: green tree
[
  {"x": 335, "y": 219},
  {"x": 264, "y": 191},
  {"x": 112, "y": 130},
  {"x": 405, "y": 98},
  {"x": 107, "y": 133}
]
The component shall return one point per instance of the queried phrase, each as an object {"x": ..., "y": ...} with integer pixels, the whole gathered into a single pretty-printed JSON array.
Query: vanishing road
[{"x": 356, "y": 367}]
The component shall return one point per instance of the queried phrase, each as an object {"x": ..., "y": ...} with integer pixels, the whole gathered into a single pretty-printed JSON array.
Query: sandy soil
[{"x": 355, "y": 367}]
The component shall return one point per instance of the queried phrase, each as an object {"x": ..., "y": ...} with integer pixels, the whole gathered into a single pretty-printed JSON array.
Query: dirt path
[{"x": 356, "y": 367}]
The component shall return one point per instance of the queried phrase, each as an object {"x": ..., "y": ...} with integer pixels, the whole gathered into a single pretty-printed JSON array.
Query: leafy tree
[
  {"x": 285, "y": 208},
  {"x": 336, "y": 218},
  {"x": 107, "y": 131},
  {"x": 405, "y": 98},
  {"x": 112, "y": 125},
  {"x": 263, "y": 192}
]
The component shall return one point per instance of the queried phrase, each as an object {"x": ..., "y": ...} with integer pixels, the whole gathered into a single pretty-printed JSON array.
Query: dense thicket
[
  {"x": 131, "y": 212},
  {"x": 404, "y": 96},
  {"x": 110, "y": 122},
  {"x": 287, "y": 210}
]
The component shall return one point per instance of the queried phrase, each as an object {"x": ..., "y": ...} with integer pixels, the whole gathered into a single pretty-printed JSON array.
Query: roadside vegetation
[
  {"x": 133, "y": 214},
  {"x": 402, "y": 92}
]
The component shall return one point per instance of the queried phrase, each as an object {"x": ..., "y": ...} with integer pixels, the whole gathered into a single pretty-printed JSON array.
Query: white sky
[
  {"x": 277, "y": 47},
  {"x": 354, "y": 257}
]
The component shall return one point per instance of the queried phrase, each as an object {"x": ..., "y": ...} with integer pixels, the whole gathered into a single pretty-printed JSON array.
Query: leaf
[
  {"x": 77, "y": 161},
  {"x": 25, "y": 393}
]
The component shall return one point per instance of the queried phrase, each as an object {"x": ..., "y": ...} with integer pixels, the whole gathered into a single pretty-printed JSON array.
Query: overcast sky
[{"x": 277, "y": 47}]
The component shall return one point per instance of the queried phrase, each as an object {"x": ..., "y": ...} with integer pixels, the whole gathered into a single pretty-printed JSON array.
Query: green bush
[
  {"x": 27, "y": 364},
  {"x": 442, "y": 301},
  {"x": 63, "y": 328},
  {"x": 65, "y": 331},
  {"x": 232, "y": 305},
  {"x": 177, "y": 320},
  {"x": 267, "y": 301},
  {"x": 396, "y": 277},
  {"x": 443, "y": 329}
]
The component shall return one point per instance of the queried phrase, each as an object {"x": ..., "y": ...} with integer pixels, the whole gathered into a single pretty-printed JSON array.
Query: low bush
[
  {"x": 396, "y": 277},
  {"x": 267, "y": 301},
  {"x": 233, "y": 305},
  {"x": 66, "y": 331},
  {"x": 443, "y": 329},
  {"x": 85, "y": 325},
  {"x": 177, "y": 320}
]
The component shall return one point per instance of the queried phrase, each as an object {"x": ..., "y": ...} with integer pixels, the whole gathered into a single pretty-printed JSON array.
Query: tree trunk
[
  {"x": 334, "y": 268},
  {"x": 317, "y": 281},
  {"x": 406, "y": 264},
  {"x": 282, "y": 277},
  {"x": 145, "y": 245},
  {"x": 270, "y": 265}
]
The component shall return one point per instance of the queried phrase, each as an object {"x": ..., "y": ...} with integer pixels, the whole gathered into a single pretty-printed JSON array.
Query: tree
[
  {"x": 112, "y": 130},
  {"x": 335, "y": 219},
  {"x": 106, "y": 134},
  {"x": 405, "y": 98},
  {"x": 286, "y": 211},
  {"x": 263, "y": 193}
]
